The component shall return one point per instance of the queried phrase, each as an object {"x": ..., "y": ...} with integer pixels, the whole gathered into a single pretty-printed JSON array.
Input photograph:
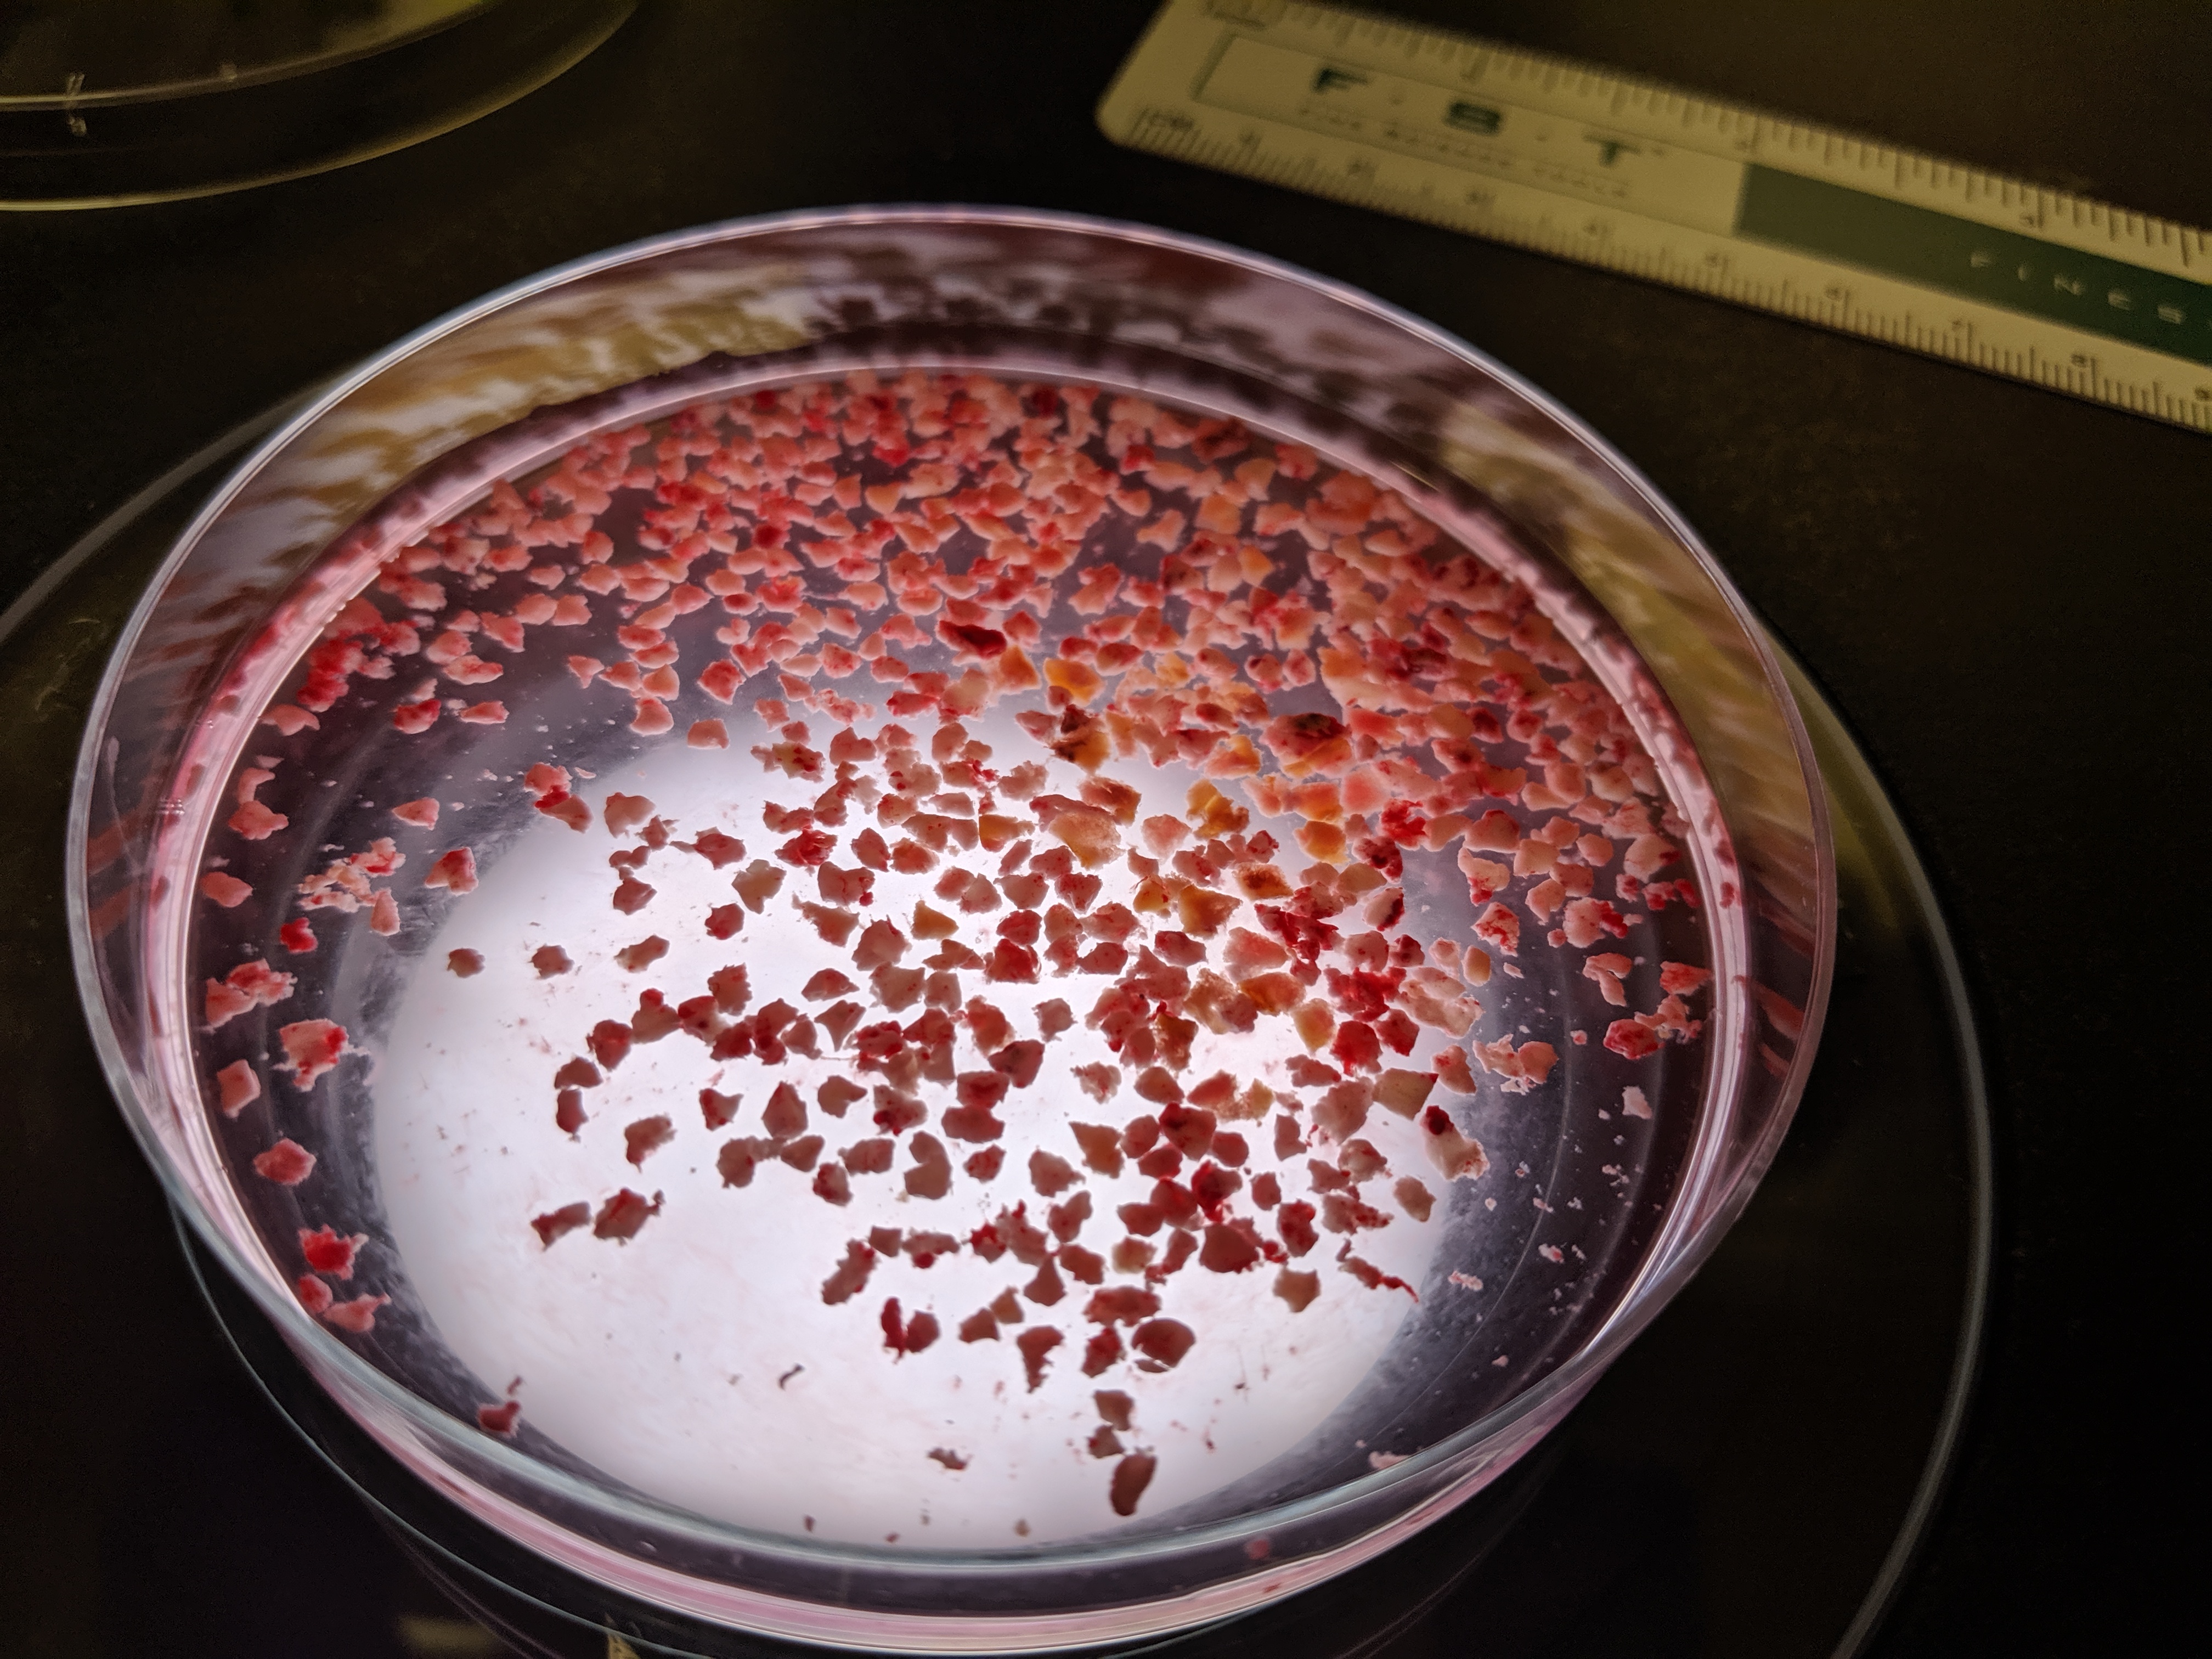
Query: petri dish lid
[{"x": 111, "y": 102}]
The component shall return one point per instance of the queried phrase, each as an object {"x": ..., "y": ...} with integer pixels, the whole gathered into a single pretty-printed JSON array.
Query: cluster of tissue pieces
[{"x": 1348, "y": 691}]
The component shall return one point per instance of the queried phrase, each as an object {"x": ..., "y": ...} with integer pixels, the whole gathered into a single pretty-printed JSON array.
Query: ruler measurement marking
[{"x": 1918, "y": 264}]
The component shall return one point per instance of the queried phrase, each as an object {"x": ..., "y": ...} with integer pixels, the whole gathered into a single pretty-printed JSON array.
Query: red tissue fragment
[
  {"x": 237, "y": 1085},
  {"x": 229, "y": 891},
  {"x": 358, "y": 1315},
  {"x": 455, "y": 870},
  {"x": 328, "y": 1251},
  {"x": 555, "y": 1223},
  {"x": 313, "y": 1046},
  {"x": 249, "y": 985},
  {"x": 1131, "y": 1476},
  {"x": 621, "y": 1216},
  {"x": 903, "y": 1336},
  {"x": 645, "y": 1137},
  {"x": 1033, "y": 1345},
  {"x": 288, "y": 1164}
]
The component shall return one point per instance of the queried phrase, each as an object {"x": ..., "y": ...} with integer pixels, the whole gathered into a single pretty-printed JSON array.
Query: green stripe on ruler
[{"x": 1997, "y": 267}]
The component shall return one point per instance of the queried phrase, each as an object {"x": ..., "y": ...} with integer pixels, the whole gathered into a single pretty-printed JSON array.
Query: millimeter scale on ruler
[{"x": 1633, "y": 177}]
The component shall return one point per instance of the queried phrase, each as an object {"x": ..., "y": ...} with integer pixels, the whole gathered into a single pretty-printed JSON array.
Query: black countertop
[{"x": 2000, "y": 588}]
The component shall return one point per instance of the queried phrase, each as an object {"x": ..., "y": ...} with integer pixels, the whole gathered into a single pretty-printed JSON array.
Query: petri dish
[
  {"x": 105, "y": 104},
  {"x": 1279, "y": 927}
]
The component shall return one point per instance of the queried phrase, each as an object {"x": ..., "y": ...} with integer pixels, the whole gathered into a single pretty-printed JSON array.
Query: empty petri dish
[{"x": 104, "y": 103}]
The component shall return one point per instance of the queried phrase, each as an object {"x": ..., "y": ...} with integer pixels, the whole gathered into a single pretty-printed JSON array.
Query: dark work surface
[{"x": 1998, "y": 586}]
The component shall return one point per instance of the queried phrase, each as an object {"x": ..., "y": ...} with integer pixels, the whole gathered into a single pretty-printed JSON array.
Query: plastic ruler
[{"x": 1615, "y": 171}]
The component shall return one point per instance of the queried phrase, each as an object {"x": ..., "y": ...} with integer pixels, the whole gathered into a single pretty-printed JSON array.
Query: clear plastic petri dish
[
  {"x": 106, "y": 104},
  {"x": 949, "y": 929}
]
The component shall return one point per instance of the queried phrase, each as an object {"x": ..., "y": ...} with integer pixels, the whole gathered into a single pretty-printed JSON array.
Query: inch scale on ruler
[{"x": 1638, "y": 177}]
